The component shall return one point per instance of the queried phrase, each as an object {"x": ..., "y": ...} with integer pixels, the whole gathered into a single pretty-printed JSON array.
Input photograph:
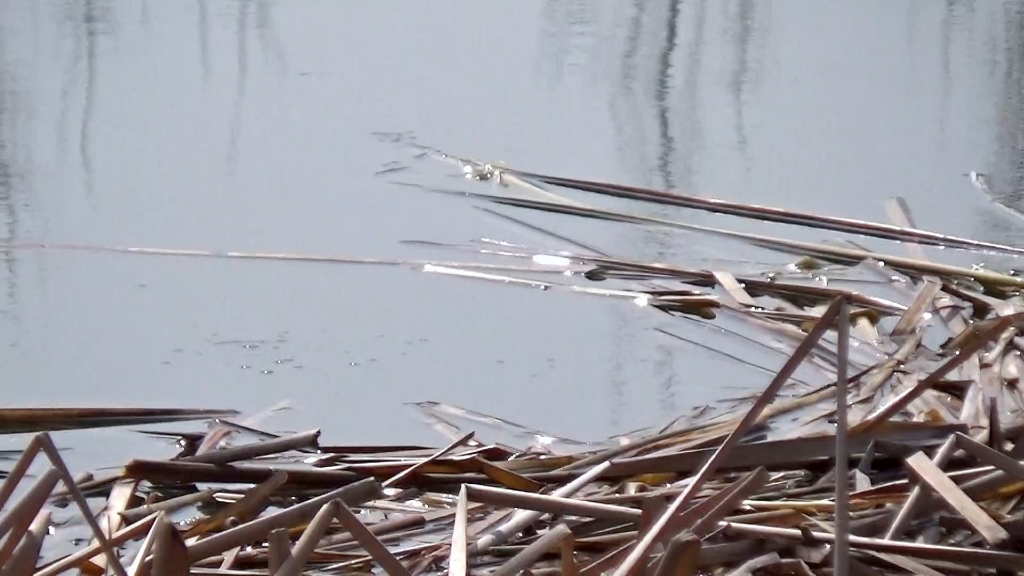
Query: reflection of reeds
[
  {"x": 89, "y": 23},
  {"x": 568, "y": 27},
  {"x": 945, "y": 63},
  {"x": 1005, "y": 55},
  {"x": 665, "y": 354},
  {"x": 652, "y": 31},
  {"x": 269, "y": 42},
  {"x": 1010, "y": 127},
  {"x": 10, "y": 108},
  {"x": 241, "y": 82},
  {"x": 8, "y": 202},
  {"x": 655, "y": 106},
  {"x": 204, "y": 39},
  {"x": 661, "y": 95},
  {"x": 271, "y": 48},
  {"x": 746, "y": 25},
  {"x": 68, "y": 79}
]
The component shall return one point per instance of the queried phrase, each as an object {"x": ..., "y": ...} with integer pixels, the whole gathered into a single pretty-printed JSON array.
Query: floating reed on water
[
  {"x": 841, "y": 489},
  {"x": 21, "y": 420}
]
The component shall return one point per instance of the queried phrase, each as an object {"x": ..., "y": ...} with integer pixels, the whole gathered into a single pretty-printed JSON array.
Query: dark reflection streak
[
  {"x": 553, "y": 41},
  {"x": 627, "y": 115},
  {"x": 1010, "y": 166},
  {"x": 89, "y": 24},
  {"x": 1007, "y": 177},
  {"x": 946, "y": 41},
  {"x": 204, "y": 41},
  {"x": 70, "y": 77},
  {"x": 10, "y": 210},
  {"x": 691, "y": 94},
  {"x": 665, "y": 362},
  {"x": 625, "y": 322},
  {"x": 35, "y": 24},
  {"x": 999, "y": 227},
  {"x": 632, "y": 46},
  {"x": 578, "y": 20},
  {"x": 993, "y": 60},
  {"x": 561, "y": 23},
  {"x": 269, "y": 42},
  {"x": 8, "y": 110},
  {"x": 144, "y": 15},
  {"x": 661, "y": 96},
  {"x": 912, "y": 11},
  {"x": 969, "y": 8},
  {"x": 240, "y": 85},
  {"x": 740, "y": 72}
]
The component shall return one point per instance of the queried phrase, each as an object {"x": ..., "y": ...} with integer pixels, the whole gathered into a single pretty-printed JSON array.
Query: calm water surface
[{"x": 254, "y": 126}]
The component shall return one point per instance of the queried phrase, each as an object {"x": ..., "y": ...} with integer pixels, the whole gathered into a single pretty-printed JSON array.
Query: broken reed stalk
[
  {"x": 47, "y": 446},
  {"x": 911, "y": 506},
  {"x": 990, "y": 456},
  {"x": 256, "y": 449},
  {"x": 243, "y": 508},
  {"x": 176, "y": 471},
  {"x": 900, "y": 402},
  {"x": 771, "y": 214},
  {"x": 841, "y": 560},
  {"x": 31, "y": 420},
  {"x": 523, "y": 518},
  {"x": 299, "y": 555},
  {"x": 18, "y": 519},
  {"x": 169, "y": 505},
  {"x": 550, "y": 540},
  {"x": 222, "y": 429},
  {"x": 377, "y": 550},
  {"x": 922, "y": 301},
  {"x": 726, "y": 501},
  {"x": 110, "y": 519},
  {"x": 160, "y": 519},
  {"x": 412, "y": 469},
  {"x": 237, "y": 255},
  {"x": 169, "y": 551},
  {"x": 457, "y": 561},
  {"x": 345, "y": 541},
  {"x": 360, "y": 491},
  {"x": 640, "y": 551},
  {"x": 829, "y": 253},
  {"x": 17, "y": 472},
  {"x": 983, "y": 558},
  {"x": 680, "y": 557},
  {"x": 549, "y": 504},
  {"x": 79, "y": 558},
  {"x": 956, "y": 499},
  {"x": 23, "y": 561},
  {"x": 278, "y": 549}
]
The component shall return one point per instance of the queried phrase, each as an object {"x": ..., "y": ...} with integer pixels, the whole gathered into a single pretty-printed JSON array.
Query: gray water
[{"x": 255, "y": 126}]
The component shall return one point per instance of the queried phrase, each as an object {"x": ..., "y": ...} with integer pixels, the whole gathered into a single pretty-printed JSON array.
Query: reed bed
[{"x": 907, "y": 460}]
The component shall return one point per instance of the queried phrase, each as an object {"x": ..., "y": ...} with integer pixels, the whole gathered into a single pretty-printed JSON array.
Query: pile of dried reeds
[
  {"x": 684, "y": 501},
  {"x": 921, "y": 473}
]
